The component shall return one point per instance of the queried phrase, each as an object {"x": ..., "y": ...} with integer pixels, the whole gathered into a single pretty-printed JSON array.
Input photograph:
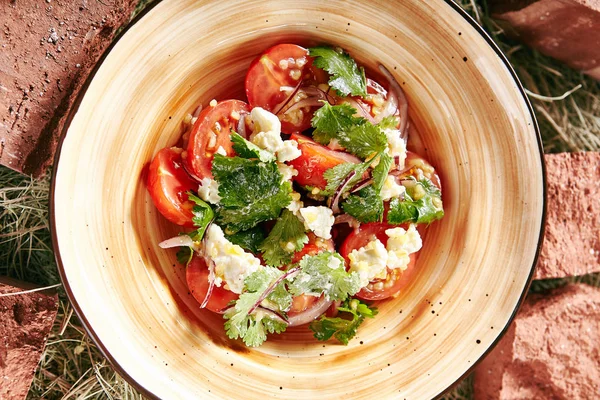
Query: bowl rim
[{"x": 81, "y": 93}]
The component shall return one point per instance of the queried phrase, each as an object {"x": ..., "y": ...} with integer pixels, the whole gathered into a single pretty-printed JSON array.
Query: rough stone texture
[
  {"x": 25, "y": 322},
  {"x": 551, "y": 351},
  {"x": 572, "y": 241},
  {"x": 568, "y": 30},
  {"x": 47, "y": 49}
]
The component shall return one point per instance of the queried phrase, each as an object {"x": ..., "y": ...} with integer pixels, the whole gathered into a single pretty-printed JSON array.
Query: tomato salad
[{"x": 301, "y": 205}]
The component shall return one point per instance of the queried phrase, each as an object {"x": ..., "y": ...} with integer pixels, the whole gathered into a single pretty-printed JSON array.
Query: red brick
[
  {"x": 25, "y": 322},
  {"x": 47, "y": 49},
  {"x": 551, "y": 351},
  {"x": 568, "y": 30},
  {"x": 572, "y": 242}
]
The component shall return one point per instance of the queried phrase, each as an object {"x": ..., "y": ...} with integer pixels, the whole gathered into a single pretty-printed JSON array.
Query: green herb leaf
[
  {"x": 202, "y": 216},
  {"x": 364, "y": 140},
  {"x": 365, "y": 206},
  {"x": 248, "y": 240},
  {"x": 347, "y": 78},
  {"x": 325, "y": 273},
  {"x": 329, "y": 120},
  {"x": 287, "y": 237},
  {"x": 422, "y": 204},
  {"x": 252, "y": 327},
  {"x": 184, "y": 255},
  {"x": 251, "y": 192},
  {"x": 390, "y": 122},
  {"x": 247, "y": 149},
  {"x": 336, "y": 175},
  {"x": 343, "y": 328},
  {"x": 381, "y": 171}
]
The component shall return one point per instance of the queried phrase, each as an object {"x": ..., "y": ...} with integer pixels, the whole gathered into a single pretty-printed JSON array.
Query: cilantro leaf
[
  {"x": 422, "y": 204},
  {"x": 390, "y": 122},
  {"x": 329, "y": 120},
  {"x": 347, "y": 78},
  {"x": 381, "y": 171},
  {"x": 251, "y": 192},
  {"x": 357, "y": 135},
  {"x": 202, "y": 216},
  {"x": 366, "y": 206},
  {"x": 247, "y": 149},
  {"x": 248, "y": 240},
  {"x": 324, "y": 273},
  {"x": 343, "y": 329},
  {"x": 184, "y": 255},
  {"x": 336, "y": 175},
  {"x": 287, "y": 236},
  {"x": 252, "y": 326}
]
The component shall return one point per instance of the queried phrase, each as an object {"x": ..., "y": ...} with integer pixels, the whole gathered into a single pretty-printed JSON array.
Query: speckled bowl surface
[{"x": 475, "y": 125}]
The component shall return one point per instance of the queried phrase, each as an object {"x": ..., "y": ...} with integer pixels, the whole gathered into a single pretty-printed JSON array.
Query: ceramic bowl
[{"x": 475, "y": 125}]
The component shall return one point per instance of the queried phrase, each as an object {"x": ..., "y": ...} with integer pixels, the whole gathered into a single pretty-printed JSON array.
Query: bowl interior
[{"x": 474, "y": 126}]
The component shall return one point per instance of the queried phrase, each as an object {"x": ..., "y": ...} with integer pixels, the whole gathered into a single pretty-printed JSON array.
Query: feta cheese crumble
[
  {"x": 209, "y": 191},
  {"x": 319, "y": 220},
  {"x": 396, "y": 145},
  {"x": 232, "y": 264},
  {"x": 401, "y": 244},
  {"x": 391, "y": 188},
  {"x": 267, "y": 136},
  {"x": 369, "y": 262}
]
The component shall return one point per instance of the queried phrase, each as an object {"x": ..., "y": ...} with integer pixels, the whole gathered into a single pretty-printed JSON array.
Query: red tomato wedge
[
  {"x": 211, "y": 131},
  {"x": 315, "y": 160},
  {"x": 196, "y": 275},
  {"x": 168, "y": 183},
  {"x": 396, "y": 279},
  {"x": 273, "y": 77}
]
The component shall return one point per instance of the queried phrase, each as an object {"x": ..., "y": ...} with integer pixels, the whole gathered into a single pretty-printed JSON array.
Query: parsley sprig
[
  {"x": 352, "y": 314},
  {"x": 287, "y": 237},
  {"x": 347, "y": 78},
  {"x": 422, "y": 204}
]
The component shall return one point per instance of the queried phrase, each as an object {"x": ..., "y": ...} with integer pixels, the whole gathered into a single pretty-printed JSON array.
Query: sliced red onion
[
  {"x": 190, "y": 173},
  {"x": 315, "y": 91},
  {"x": 339, "y": 191},
  {"x": 272, "y": 314},
  {"x": 211, "y": 281},
  {"x": 361, "y": 185},
  {"x": 287, "y": 99},
  {"x": 402, "y": 101},
  {"x": 391, "y": 106},
  {"x": 197, "y": 111},
  {"x": 360, "y": 109},
  {"x": 308, "y": 102},
  {"x": 241, "y": 128},
  {"x": 177, "y": 241},
  {"x": 272, "y": 287},
  {"x": 401, "y": 172},
  {"x": 311, "y": 314},
  {"x": 346, "y": 219}
]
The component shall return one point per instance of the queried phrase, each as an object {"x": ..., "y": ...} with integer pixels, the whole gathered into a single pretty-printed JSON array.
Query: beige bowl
[{"x": 476, "y": 127}]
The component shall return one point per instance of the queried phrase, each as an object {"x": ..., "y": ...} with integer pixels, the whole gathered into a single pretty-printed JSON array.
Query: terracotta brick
[
  {"x": 572, "y": 241},
  {"x": 551, "y": 351},
  {"x": 47, "y": 49},
  {"x": 25, "y": 322},
  {"x": 568, "y": 30}
]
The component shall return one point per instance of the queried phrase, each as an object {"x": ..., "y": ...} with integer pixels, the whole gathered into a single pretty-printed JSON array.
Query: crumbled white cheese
[
  {"x": 401, "y": 244},
  {"x": 265, "y": 121},
  {"x": 391, "y": 188},
  {"x": 221, "y": 151},
  {"x": 209, "y": 191},
  {"x": 334, "y": 262},
  {"x": 369, "y": 262},
  {"x": 296, "y": 204},
  {"x": 267, "y": 136},
  {"x": 232, "y": 264},
  {"x": 287, "y": 172},
  {"x": 396, "y": 145},
  {"x": 319, "y": 220},
  {"x": 288, "y": 151}
]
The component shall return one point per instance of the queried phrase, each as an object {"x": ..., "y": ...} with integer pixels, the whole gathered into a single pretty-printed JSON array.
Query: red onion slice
[
  {"x": 346, "y": 219},
  {"x": 308, "y": 102},
  {"x": 272, "y": 287},
  {"x": 197, "y": 111},
  {"x": 311, "y": 314},
  {"x": 339, "y": 191},
  {"x": 211, "y": 281},
  {"x": 241, "y": 128},
  {"x": 287, "y": 99},
  {"x": 361, "y": 185},
  {"x": 391, "y": 106},
  {"x": 177, "y": 241},
  {"x": 360, "y": 109},
  {"x": 402, "y": 101}
]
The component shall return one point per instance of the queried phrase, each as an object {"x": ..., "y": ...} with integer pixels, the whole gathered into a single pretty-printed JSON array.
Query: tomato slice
[
  {"x": 315, "y": 160},
  {"x": 168, "y": 183},
  {"x": 211, "y": 131},
  {"x": 196, "y": 275},
  {"x": 396, "y": 279},
  {"x": 284, "y": 65}
]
